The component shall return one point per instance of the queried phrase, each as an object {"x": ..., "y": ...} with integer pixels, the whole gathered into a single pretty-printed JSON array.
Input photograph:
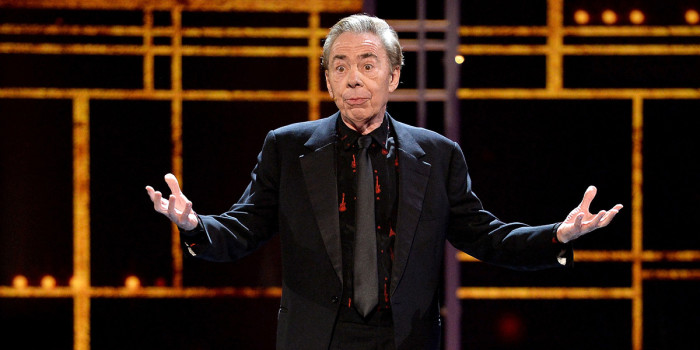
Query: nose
[{"x": 354, "y": 78}]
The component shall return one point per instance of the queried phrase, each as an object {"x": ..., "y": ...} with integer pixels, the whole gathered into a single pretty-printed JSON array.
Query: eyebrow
[
  {"x": 362, "y": 56},
  {"x": 339, "y": 57},
  {"x": 368, "y": 55}
]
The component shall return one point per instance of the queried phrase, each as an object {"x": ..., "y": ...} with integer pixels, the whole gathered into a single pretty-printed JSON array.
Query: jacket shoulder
[
  {"x": 423, "y": 137},
  {"x": 306, "y": 127},
  {"x": 302, "y": 131}
]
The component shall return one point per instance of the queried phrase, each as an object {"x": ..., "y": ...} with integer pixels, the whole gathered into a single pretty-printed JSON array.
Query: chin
[{"x": 355, "y": 116}]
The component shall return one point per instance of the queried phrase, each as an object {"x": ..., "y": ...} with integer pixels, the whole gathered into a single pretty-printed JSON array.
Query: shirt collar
[{"x": 348, "y": 137}]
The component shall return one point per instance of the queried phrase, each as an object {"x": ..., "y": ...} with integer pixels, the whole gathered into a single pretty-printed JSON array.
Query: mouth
[{"x": 356, "y": 101}]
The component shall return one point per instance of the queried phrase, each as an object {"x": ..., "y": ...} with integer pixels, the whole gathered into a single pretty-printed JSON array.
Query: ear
[
  {"x": 394, "y": 78},
  {"x": 328, "y": 84}
]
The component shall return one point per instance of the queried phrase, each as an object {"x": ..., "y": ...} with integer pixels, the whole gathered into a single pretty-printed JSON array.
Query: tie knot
[{"x": 364, "y": 141}]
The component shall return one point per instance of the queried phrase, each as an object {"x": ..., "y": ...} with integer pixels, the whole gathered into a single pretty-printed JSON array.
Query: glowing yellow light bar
[
  {"x": 543, "y": 293},
  {"x": 195, "y": 5},
  {"x": 621, "y": 256},
  {"x": 677, "y": 274}
]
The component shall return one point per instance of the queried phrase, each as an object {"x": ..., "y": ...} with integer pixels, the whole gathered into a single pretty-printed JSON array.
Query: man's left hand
[{"x": 580, "y": 221}]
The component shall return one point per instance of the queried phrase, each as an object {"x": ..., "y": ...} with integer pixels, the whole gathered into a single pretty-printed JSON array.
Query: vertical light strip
[
  {"x": 453, "y": 319},
  {"x": 421, "y": 65},
  {"x": 637, "y": 228},
  {"x": 148, "y": 75},
  {"x": 81, "y": 222},
  {"x": 555, "y": 43},
  {"x": 451, "y": 75},
  {"x": 176, "y": 131},
  {"x": 369, "y": 7},
  {"x": 314, "y": 64}
]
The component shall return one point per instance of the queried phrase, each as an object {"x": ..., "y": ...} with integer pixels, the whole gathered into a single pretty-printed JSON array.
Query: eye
[
  {"x": 368, "y": 66},
  {"x": 340, "y": 69}
]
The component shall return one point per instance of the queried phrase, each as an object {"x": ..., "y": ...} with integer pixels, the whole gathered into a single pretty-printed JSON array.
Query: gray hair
[{"x": 365, "y": 24}]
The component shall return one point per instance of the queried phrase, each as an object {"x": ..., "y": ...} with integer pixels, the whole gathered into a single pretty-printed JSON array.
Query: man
[{"x": 308, "y": 187}]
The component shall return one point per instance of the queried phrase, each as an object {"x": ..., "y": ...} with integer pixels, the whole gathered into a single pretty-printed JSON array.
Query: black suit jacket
[{"x": 293, "y": 193}]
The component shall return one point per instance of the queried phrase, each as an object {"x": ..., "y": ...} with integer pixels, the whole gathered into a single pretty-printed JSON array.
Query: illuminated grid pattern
[
  {"x": 555, "y": 50},
  {"x": 81, "y": 289}
]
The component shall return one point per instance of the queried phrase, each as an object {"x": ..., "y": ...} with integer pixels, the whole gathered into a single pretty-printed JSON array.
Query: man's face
[{"x": 359, "y": 79}]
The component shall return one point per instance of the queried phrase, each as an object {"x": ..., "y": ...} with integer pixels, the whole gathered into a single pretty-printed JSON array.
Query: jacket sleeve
[
  {"x": 482, "y": 235},
  {"x": 248, "y": 223}
]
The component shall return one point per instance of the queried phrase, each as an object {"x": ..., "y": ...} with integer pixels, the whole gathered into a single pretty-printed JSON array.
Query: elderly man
[{"x": 363, "y": 205}]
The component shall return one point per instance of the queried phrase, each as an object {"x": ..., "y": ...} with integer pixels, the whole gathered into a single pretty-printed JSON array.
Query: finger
[
  {"x": 610, "y": 215},
  {"x": 593, "y": 223},
  {"x": 159, "y": 204},
  {"x": 588, "y": 198},
  {"x": 172, "y": 213},
  {"x": 150, "y": 191},
  {"x": 171, "y": 180},
  {"x": 579, "y": 221},
  {"x": 184, "y": 218}
]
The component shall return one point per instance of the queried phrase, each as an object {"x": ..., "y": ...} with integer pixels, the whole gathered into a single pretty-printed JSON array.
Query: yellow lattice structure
[{"x": 81, "y": 289}]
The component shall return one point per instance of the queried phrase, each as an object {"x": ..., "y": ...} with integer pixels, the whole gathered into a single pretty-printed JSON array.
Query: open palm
[
  {"x": 580, "y": 220},
  {"x": 177, "y": 207}
]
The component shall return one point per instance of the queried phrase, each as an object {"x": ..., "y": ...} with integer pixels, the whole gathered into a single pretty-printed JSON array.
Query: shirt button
[{"x": 335, "y": 300}]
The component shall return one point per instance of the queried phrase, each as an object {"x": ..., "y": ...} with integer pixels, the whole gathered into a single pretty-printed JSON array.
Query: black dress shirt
[{"x": 385, "y": 167}]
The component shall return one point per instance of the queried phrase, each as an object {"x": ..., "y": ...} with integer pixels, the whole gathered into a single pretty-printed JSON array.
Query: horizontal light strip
[
  {"x": 303, "y": 32},
  {"x": 542, "y": 31},
  {"x": 581, "y": 50},
  {"x": 303, "y": 51},
  {"x": 621, "y": 256},
  {"x": 401, "y": 95},
  {"x": 543, "y": 293},
  {"x": 145, "y": 292},
  {"x": 187, "y": 50},
  {"x": 681, "y": 93},
  {"x": 622, "y": 31},
  {"x": 674, "y": 274},
  {"x": 125, "y": 94},
  {"x": 194, "y": 5},
  {"x": 138, "y": 31}
]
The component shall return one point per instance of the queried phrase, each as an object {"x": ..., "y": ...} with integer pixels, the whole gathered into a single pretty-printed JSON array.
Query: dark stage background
[{"x": 100, "y": 98}]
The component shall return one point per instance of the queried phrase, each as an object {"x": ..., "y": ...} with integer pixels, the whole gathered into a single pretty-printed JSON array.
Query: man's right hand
[{"x": 177, "y": 207}]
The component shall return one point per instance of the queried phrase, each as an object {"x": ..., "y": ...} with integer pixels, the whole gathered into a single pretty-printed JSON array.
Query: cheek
[
  {"x": 372, "y": 75},
  {"x": 379, "y": 90},
  {"x": 337, "y": 77},
  {"x": 337, "y": 84}
]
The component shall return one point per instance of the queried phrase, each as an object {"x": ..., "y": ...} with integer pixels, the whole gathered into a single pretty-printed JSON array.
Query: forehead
[{"x": 351, "y": 44}]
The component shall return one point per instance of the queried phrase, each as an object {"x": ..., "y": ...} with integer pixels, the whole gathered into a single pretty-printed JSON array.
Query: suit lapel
[
  {"x": 320, "y": 179},
  {"x": 413, "y": 181}
]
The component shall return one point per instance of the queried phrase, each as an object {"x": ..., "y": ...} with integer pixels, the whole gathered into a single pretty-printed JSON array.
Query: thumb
[
  {"x": 174, "y": 185},
  {"x": 579, "y": 220},
  {"x": 588, "y": 198}
]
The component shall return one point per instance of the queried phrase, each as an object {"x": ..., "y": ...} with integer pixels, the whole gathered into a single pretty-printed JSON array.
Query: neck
[{"x": 365, "y": 127}]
